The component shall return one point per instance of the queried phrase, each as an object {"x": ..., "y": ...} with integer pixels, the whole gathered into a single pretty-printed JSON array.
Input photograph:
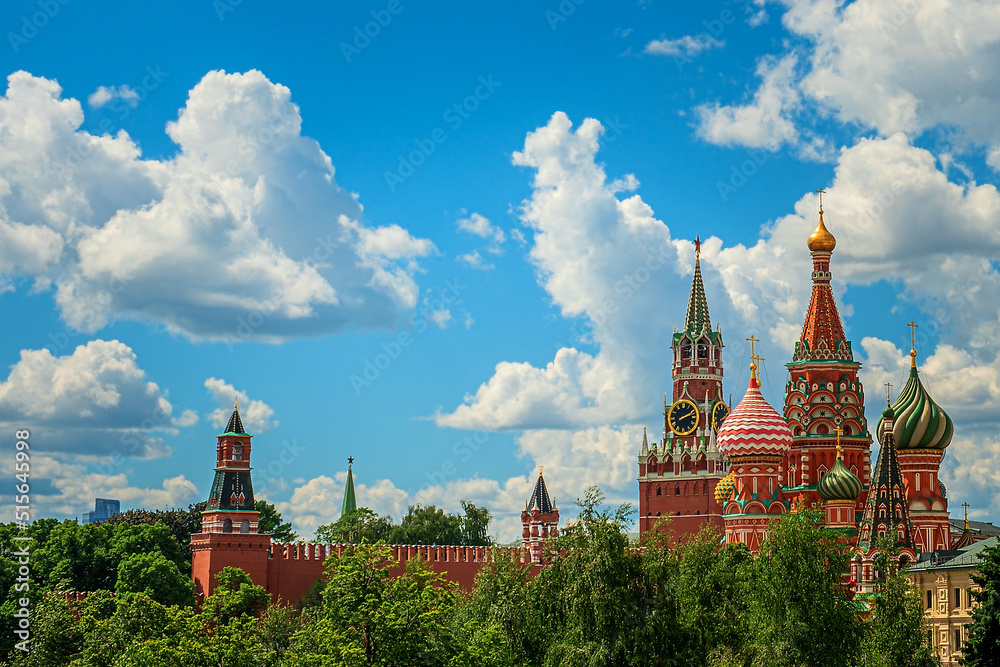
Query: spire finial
[
  {"x": 840, "y": 449},
  {"x": 888, "y": 393},
  {"x": 350, "y": 461},
  {"x": 697, "y": 245},
  {"x": 966, "y": 506},
  {"x": 236, "y": 403},
  {"x": 821, "y": 240},
  {"x": 540, "y": 470},
  {"x": 913, "y": 343},
  {"x": 753, "y": 357}
]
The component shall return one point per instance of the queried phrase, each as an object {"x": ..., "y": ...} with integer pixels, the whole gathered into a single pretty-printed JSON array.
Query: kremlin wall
[{"x": 735, "y": 470}]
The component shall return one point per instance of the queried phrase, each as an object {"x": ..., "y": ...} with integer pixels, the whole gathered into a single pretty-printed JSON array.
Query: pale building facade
[{"x": 944, "y": 581}]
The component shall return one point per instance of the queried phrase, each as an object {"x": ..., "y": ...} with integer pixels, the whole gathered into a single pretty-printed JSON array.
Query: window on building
[
  {"x": 958, "y": 598},
  {"x": 238, "y": 452},
  {"x": 245, "y": 526},
  {"x": 698, "y": 513},
  {"x": 677, "y": 489},
  {"x": 227, "y": 526},
  {"x": 930, "y": 599},
  {"x": 659, "y": 491},
  {"x": 958, "y": 639}
]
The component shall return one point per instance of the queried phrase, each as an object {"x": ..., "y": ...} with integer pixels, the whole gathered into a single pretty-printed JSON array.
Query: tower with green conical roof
[
  {"x": 350, "y": 503},
  {"x": 677, "y": 478}
]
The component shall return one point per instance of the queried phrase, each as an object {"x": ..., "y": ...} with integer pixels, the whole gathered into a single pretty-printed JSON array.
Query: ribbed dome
[
  {"x": 839, "y": 484},
  {"x": 821, "y": 239},
  {"x": 754, "y": 428},
  {"x": 724, "y": 488},
  {"x": 920, "y": 422}
]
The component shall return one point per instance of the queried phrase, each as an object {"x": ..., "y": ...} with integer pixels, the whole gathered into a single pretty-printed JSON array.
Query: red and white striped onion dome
[{"x": 754, "y": 428}]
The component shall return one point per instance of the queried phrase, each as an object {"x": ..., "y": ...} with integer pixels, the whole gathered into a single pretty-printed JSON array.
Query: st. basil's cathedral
[{"x": 737, "y": 471}]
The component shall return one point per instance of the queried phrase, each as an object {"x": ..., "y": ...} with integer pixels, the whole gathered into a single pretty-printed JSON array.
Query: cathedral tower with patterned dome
[
  {"x": 756, "y": 439},
  {"x": 922, "y": 431},
  {"x": 824, "y": 396}
]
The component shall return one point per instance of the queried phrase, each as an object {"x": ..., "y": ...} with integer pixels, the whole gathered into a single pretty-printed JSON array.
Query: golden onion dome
[
  {"x": 821, "y": 240},
  {"x": 724, "y": 489}
]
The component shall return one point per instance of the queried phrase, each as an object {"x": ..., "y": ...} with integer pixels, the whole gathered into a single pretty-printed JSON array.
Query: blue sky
[{"x": 455, "y": 247}]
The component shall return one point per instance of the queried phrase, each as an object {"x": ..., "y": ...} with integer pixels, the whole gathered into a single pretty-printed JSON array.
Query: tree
[
  {"x": 475, "y": 525},
  {"x": 234, "y": 596},
  {"x": 269, "y": 521},
  {"x": 157, "y": 577},
  {"x": 427, "y": 525},
  {"x": 982, "y": 648},
  {"x": 798, "y": 610},
  {"x": 182, "y": 523},
  {"x": 894, "y": 634},
  {"x": 359, "y": 525},
  {"x": 371, "y": 618}
]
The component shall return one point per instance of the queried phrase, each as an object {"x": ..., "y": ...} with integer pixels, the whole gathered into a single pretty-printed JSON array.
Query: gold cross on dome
[
  {"x": 821, "y": 192},
  {"x": 913, "y": 334},
  {"x": 888, "y": 393},
  {"x": 966, "y": 506},
  {"x": 839, "y": 430}
]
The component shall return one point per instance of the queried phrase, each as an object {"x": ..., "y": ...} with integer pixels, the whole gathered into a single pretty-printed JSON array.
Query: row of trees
[
  {"x": 421, "y": 525},
  {"x": 599, "y": 602}
]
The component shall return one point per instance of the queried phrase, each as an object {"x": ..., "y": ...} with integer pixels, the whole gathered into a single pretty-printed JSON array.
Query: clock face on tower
[
  {"x": 683, "y": 417},
  {"x": 719, "y": 412}
]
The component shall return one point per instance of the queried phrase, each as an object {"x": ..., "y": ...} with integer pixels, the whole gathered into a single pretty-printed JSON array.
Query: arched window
[
  {"x": 245, "y": 526},
  {"x": 702, "y": 351},
  {"x": 930, "y": 599},
  {"x": 677, "y": 489},
  {"x": 227, "y": 526},
  {"x": 238, "y": 451},
  {"x": 659, "y": 491},
  {"x": 686, "y": 352},
  {"x": 698, "y": 513}
]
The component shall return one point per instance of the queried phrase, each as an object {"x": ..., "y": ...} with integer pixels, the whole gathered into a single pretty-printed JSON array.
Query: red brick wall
[{"x": 288, "y": 571}]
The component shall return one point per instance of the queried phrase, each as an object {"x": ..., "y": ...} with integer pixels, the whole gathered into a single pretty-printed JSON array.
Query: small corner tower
[
  {"x": 539, "y": 520},
  {"x": 677, "y": 478},
  {"x": 824, "y": 393},
  {"x": 229, "y": 523}
]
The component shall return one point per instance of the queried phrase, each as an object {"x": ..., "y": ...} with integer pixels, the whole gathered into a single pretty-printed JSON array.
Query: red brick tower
[
  {"x": 678, "y": 477},
  {"x": 823, "y": 391},
  {"x": 922, "y": 431},
  {"x": 755, "y": 438},
  {"x": 229, "y": 524},
  {"x": 540, "y": 520}
]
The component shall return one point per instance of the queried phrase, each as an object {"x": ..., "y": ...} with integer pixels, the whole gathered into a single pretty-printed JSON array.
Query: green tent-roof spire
[
  {"x": 697, "y": 311},
  {"x": 350, "y": 504}
]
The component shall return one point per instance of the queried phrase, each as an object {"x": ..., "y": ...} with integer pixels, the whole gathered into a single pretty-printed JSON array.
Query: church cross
[{"x": 821, "y": 192}]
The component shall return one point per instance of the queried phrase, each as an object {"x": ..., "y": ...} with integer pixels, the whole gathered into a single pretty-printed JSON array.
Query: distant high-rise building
[{"x": 104, "y": 509}]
